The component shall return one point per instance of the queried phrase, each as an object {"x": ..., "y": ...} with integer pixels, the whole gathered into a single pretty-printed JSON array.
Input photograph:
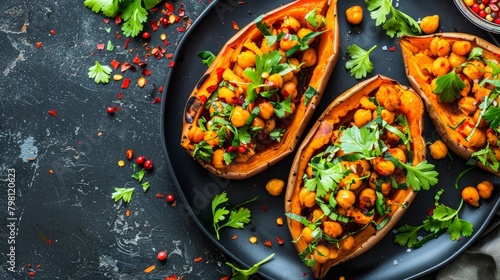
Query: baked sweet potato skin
[
  {"x": 446, "y": 117},
  {"x": 327, "y": 55},
  {"x": 340, "y": 113}
]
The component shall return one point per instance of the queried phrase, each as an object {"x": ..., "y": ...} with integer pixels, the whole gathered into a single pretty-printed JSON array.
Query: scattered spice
[
  {"x": 52, "y": 32},
  {"x": 121, "y": 163},
  {"x": 126, "y": 83},
  {"x": 253, "y": 239},
  {"x": 149, "y": 269},
  {"x": 117, "y": 77},
  {"x": 127, "y": 213},
  {"x": 99, "y": 134},
  {"x": 38, "y": 44},
  {"x": 279, "y": 221},
  {"x": 235, "y": 25},
  {"x": 127, "y": 41},
  {"x": 171, "y": 64},
  {"x": 198, "y": 259},
  {"x": 157, "y": 100},
  {"x": 100, "y": 46},
  {"x": 52, "y": 112},
  {"x": 234, "y": 237},
  {"x": 115, "y": 64},
  {"x": 280, "y": 240},
  {"x": 141, "y": 82},
  {"x": 129, "y": 154},
  {"x": 268, "y": 243}
]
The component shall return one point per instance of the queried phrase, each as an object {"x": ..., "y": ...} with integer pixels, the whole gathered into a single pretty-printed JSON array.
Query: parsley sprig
[
  {"x": 443, "y": 219},
  {"x": 238, "y": 216},
  {"x": 100, "y": 73},
  {"x": 243, "y": 274},
  {"x": 360, "y": 64},
  {"x": 393, "y": 21}
]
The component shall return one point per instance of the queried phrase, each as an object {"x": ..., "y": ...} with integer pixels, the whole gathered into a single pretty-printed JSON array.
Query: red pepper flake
[
  {"x": 198, "y": 259},
  {"x": 234, "y": 237},
  {"x": 38, "y": 44},
  {"x": 235, "y": 25},
  {"x": 181, "y": 29},
  {"x": 154, "y": 25},
  {"x": 118, "y": 19},
  {"x": 263, "y": 208},
  {"x": 280, "y": 241},
  {"x": 268, "y": 243},
  {"x": 53, "y": 32},
  {"x": 117, "y": 108},
  {"x": 160, "y": 195},
  {"x": 101, "y": 46},
  {"x": 127, "y": 66},
  {"x": 157, "y": 100},
  {"x": 28, "y": 265},
  {"x": 393, "y": 48},
  {"x": 171, "y": 277},
  {"x": 125, "y": 46},
  {"x": 181, "y": 12},
  {"x": 171, "y": 64},
  {"x": 127, "y": 213},
  {"x": 136, "y": 60},
  {"x": 203, "y": 98},
  {"x": 226, "y": 277},
  {"x": 126, "y": 83},
  {"x": 32, "y": 273},
  {"x": 146, "y": 72},
  {"x": 115, "y": 64},
  {"x": 170, "y": 7},
  {"x": 242, "y": 2},
  {"x": 160, "y": 89},
  {"x": 166, "y": 42},
  {"x": 117, "y": 35},
  {"x": 53, "y": 112},
  {"x": 169, "y": 55},
  {"x": 38, "y": 266},
  {"x": 106, "y": 20},
  {"x": 120, "y": 95}
]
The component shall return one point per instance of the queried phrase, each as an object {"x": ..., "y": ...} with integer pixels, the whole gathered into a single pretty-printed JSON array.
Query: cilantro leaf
[
  {"x": 237, "y": 218},
  {"x": 359, "y": 64},
  {"x": 203, "y": 151},
  {"x": 281, "y": 108},
  {"x": 145, "y": 186},
  {"x": 421, "y": 176},
  {"x": 123, "y": 193},
  {"x": 134, "y": 15},
  {"x": 100, "y": 73},
  {"x": 309, "y": 93},
  {"x": 393, "y": 21},
  {"x": 206, "y": 56},
  {"x": 108, "y": 7},
  {"x": 492, "y": 116},
  {"x": 243, "y": 274},
  {"x": 449, "y": 87},
  {"x": 139, "y": 175},
  {"x": 361, "y": 140},
  {"x": 379, "y": 9}
]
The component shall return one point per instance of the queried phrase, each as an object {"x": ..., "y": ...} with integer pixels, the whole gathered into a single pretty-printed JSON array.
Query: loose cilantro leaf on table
[
  {"x": 238, "y": 216},
  {"x": 393, "y": 21},
  {"x": 206, "y": 56},
  {"x": 100, "y": 73},
  {"x": 123, "y": 193},
  {"x": 243, "y": 274},
  {"x": 360, "y": 64},
  {"x": 133, "y": 12}
]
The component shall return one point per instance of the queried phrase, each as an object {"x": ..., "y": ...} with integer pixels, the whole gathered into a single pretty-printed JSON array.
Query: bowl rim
[{"x": 475, "y": 19}]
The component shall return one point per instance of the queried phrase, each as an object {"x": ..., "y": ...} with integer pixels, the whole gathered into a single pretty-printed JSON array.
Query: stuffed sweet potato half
[
  {"x": 356, "y": 172},
  {"x": 249, "y": 109},
  {"x": 457, "y": 76}
]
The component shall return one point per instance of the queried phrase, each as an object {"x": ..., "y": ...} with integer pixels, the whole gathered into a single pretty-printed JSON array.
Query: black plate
[{"x": 197, "y": 186}]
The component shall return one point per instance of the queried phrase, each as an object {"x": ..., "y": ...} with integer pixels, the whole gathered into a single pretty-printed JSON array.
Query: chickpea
[
  {"x": 387, "y": 95},
  {"x": 485, "y": 189},
  {"x": 292, "y": 109},
  {"x": 354, "y": 15},
  {"x": 227, "y": 95},
  {"x": 303, "y": 32},
  {"x": 211, "y": 138},
  {"x": 362, "y": 117},
  {"x": 386, "y": 115},
  {"x": 471, "y": 196},
  {"x": 289, "y": 88},
  {"x": 429, "y": 24},
  {"x": 266, "y": 48},
  {"x": 309, "y": 57},
  {"x": 382, "y": 166},
  {"x": 492, "y": 137},
  {"x": 332, "y": 229},
  {"x": 287, "y": 43},
  {"x": 350, "y": 182},
  {"x": 307, "y": 198},
  {"x": 321, "y": 253},
  {"x": 296, "y": 63},
  {"x": 474, "y": 70},
  {"x": 288, "y": 77},
  {"x": 398, "y": 153},
  {"x": 292, "y": 23},
  {"x": 438, "y": 149},
  {"x": 478, "y": 139},
  {"x": 270, "y": 125},
  {"x": 239, "y": 116},
  {"x": 231, "y": 77},
  {"x": 347, "y": 243},
  {"x": 439, "y": 47},
  {"x": 308, "y": 234},
  {"x": 466, "y": 89},
  {"x": 345, "y": 198},
  {"x": 246, "y": 59},
  {"x": 196, "y": 134},
  {"x": 367, "y": 197},
  {"x": 366, "y": 103},
  {"x": 456, "y": 60},
  {"x": 461, "y": 47},
  {"x": 320, "y": 22},
  {"x": 275, "y": 186},
  {"x": 318, "y": 214},
  {"x": 215, "y": 107},
  {"x": 274, "y": 81},
  {"x": 218, "y": 159},
  {"x": 467, "y": 105},
  {"x": 266, "y": 110},
  {"x": 441, "y": 66},
  {"x": 258, "y": 122}
]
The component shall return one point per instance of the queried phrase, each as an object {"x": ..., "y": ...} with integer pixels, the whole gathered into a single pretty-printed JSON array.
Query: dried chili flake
[
  {"x": 242, "y": 2},
  {"x": 101, "y": 46},
  {"x": 126, "y": 83},
  {"x": 166, "y": 42},
  {"x": 142, "y": 64},
  {"x": 154, "y": 25},
  {"x": 226, "y": 277},
  {"x": 53, "y": 113},
  {"x": 171, "y": 64},
  {"x": 181, "y": 12},
  {"x": 171, "y": 277},
  {"x": 393, "y": 48},
  {"x": 169, "y": 7},
  {"x": 263, "y": 208},
  {"x": 125, "y": 46},
  {"x": 118, "y": 19},
  {"x": 160, "y": 195},
  {"x": 160, "y": 89},
  {"x": 117, "y": 108},
  {"x": 38, "y": 44},
  {"x": 157, "y": 100},
  {"x": 53, "y": 32},
  {"x": 136, "y": 59},
  {"x": 181, "y": 29},
  {"x": 169, "y": 55},
  {"x": 129, "y": 154},
  {"x": 146, "y": 72},
  {"x": 268, "y": 243},
  {"x": 149, "y": 269},
  {"x": 127, "y": 66},
  {"x": 127, "y": 213},
  {"x": 106, "y": 20},
  {"x": 234, "y": 237},
  {"x": 115, "y": 64},
  {"x": 32, "y": 273},
  {"x": 198, "y": 259},
  {"x": 120, "y": 95},
  {"x": 28, "y": 265},
  {"x": 280, "y": 240},
  {"x": 235, "y": 25}
]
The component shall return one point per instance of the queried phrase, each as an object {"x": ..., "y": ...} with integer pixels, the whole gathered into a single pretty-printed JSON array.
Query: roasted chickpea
[
  {"x": 461, "y": 47},
  {"x": 227, "y": 95},
  {"x": 321, "y": 253},
  {"x": 354, "y": 15},
  {"x": 246, "y": 59},
  {"x": 292, "y": 23},
  {"x": 347, "y": 243},
  {"x": 211, "y": 138},
  {"x": 362, "y": 117},
  {"x": 266, "y": 110},
  {"x": 218, "y": 159},
  {"x": 474, "y": 70},
  {"x": 467, "y": 105},
  {"x": 382, "y": 166},
  {"x": 485, "y": 189},
  {"x": 368, "y": 197},
  {"x": 456, "y": 60},
  {"x": 303, "y": 32},
  {"x": 318, "y": 214},
  {"x": 386, "y": 115},
  {"x": 465, "y": 91},
  {"x": 307, "y": 198},
  {"x": 398, "y": 153},
  {"x": 492, "y": 137},
  {"x": 429, "y": 24},
  {"x": 275, "y": 186},
  {"x": 239, "y": 116},
  {"x": 266, "y": 48},
  {"x": 441, "y": 66},
  {"x": 351, "y": 181},
  {"x": 332, "y": 229},
  {"x": 309, "y": 57},
  {"x": 471, "y": 196},
  {"x": 366, "y": 103},
  {"x": 482, "y": 122},
  {"x": 274, "y": 81},
  {"x": 195, "y": 134},
  {"x": 289, "y": 88},
  {"x": 215, "y": 107},
  {"x": 258, "y": 122},
  {"x": 440, "y": 47},
  {"x": 438, "y": 149},
  {"x": 244, "y": 157},
  {"x": 270, "y": 125},
  {"x": 478, "y": 139},
  {"x": 287, "y": 43},
  {"x": 345, "y": 198},
  {"x": 308, "y": 234}
]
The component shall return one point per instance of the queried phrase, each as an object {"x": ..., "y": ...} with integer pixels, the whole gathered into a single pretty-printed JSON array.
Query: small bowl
[{"x": 476, "y": 19}]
